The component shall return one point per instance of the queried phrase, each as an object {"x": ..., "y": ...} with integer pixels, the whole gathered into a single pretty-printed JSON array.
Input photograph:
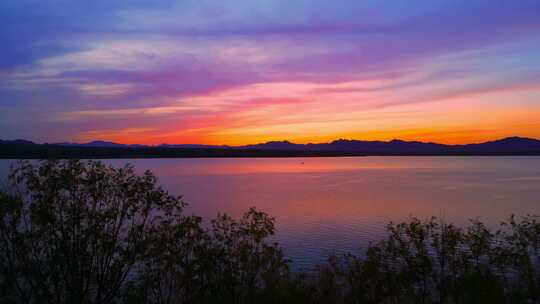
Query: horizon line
[{"x": 271, "y": 141}]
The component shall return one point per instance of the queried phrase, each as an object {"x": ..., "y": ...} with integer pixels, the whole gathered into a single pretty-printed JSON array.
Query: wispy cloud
[{"x": 233, "y": 71}]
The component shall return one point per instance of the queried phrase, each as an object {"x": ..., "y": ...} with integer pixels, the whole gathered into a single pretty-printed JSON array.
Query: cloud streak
[{"x": 237, "y": 72}]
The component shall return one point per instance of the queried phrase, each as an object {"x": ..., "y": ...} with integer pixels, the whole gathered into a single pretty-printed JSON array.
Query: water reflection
[{"x": 327, "y": 204}]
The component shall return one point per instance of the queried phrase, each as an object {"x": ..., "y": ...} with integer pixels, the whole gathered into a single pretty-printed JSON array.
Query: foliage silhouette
[{"x": 84, "y": 232}]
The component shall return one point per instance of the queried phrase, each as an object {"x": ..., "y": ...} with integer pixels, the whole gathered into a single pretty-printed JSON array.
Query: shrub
[{"x": 84, "y": 232}]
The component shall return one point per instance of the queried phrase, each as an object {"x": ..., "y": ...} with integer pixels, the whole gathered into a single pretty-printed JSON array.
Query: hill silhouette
[{"x": 340, "y": 147}]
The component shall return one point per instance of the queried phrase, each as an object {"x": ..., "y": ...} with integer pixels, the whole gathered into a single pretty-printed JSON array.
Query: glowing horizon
[{"x": 235, "y": 73}]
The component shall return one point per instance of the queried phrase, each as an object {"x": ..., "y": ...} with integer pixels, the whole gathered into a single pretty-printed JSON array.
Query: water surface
[{"x": 340, "y": 204}]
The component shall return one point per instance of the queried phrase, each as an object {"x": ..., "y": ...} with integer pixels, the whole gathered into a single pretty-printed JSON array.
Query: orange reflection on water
[
  {"x": 325, "y": 204},
  {"x": 232, "y": 166}
]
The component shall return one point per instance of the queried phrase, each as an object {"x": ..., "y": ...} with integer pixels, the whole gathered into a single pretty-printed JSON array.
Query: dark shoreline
[
  {"x": 63, "y": 152},
  {"x": 510, "y": 146}
]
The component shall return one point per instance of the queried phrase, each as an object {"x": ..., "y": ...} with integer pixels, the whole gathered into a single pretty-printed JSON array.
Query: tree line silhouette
[{"x": 84, "y": 232}]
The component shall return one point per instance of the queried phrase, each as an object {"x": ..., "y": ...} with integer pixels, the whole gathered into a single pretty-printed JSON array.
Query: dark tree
[
  {"x": 83, "y": 232},
  {"x": 73, "y": 232}
]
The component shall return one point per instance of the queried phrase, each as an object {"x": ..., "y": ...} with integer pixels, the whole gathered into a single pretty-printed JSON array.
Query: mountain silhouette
[
  {"x": 506, "y": 145},
  {"x": 340, "y": 147},
  {"x": 99, "y": 143}
]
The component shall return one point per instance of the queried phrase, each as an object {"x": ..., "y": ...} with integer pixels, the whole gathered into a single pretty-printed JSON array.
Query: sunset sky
[{"x": 238, "y": 72}]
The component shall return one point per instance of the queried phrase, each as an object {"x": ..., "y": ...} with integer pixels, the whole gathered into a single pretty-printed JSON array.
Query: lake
[{"x": 322, "y": 205}]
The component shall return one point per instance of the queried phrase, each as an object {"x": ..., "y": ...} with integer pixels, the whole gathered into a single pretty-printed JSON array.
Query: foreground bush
[
  {"x": 434, "y": 262},
  {"x": 83, "y": 232}
]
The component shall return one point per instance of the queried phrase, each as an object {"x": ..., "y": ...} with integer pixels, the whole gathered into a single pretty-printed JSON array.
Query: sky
[{"x": 237, "y": 72}]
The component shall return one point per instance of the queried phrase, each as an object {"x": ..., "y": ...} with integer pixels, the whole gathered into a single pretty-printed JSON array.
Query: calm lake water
[{"x": 323, "y": 205}]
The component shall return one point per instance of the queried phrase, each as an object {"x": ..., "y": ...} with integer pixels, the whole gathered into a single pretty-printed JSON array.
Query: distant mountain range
[
  {"x": 341, "y": 147},
  {"x": 506, "y": 145},
  {"x": 99, "y": 144}
]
